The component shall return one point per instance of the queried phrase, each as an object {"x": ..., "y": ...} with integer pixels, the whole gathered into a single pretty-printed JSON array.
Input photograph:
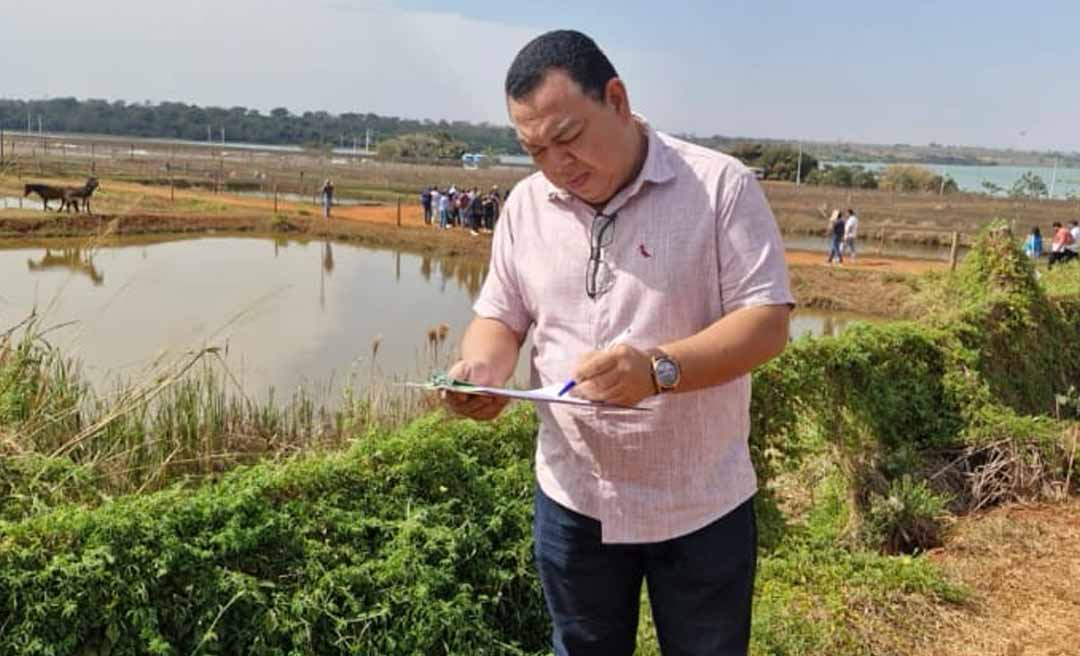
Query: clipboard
[{"x": 549, "y": 394}]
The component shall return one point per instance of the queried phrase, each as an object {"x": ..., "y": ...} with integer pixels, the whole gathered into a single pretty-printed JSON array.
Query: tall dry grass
[{"x": 184, "y": 416}]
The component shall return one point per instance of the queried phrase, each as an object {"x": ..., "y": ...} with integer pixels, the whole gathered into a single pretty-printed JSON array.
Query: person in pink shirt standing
[
  {"x": 1060, "y": 246},
  {"x": 651, "y": 273}
]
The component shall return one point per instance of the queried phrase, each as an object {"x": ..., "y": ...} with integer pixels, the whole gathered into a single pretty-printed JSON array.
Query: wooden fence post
[
  {"x": 881, "y": 242},
  {"x": 275, "y": 198},
  {"x": 953, "y": 250},
  {"x": 399, "y": 211}
]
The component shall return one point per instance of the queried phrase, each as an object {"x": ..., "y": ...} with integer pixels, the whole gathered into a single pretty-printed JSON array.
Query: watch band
[{"x": 658, "y": 359}]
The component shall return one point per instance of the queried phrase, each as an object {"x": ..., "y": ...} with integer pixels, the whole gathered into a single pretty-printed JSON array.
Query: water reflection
[
  {"x": 328, "y": 258},
  {"x": 19, "y": 202},
  {"x": 821, "y": 323},
  {"x": 290, "y": 310},
  {"x": 326, "y": 269},
  {"x": 467, "y": 273},
  {"x": 74, "y": 259}
]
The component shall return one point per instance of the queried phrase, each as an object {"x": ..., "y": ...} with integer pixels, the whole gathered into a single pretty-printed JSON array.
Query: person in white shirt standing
[
  {"x": 1074, "y": 230},
  {"x": 851, "y": 231}
]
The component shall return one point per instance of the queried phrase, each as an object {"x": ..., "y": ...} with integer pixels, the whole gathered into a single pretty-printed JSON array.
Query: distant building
[{"x": 477, "y": 160}]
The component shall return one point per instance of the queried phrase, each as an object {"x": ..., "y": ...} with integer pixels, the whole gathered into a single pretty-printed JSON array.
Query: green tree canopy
[{"x": 437, "y": 145}]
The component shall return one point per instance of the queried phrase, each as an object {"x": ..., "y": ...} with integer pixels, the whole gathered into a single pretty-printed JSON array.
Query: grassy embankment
[{"x": 381, "y": 540}]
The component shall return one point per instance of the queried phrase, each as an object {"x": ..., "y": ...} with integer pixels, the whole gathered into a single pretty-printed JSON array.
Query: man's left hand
[{"x": 620, "y": 375}]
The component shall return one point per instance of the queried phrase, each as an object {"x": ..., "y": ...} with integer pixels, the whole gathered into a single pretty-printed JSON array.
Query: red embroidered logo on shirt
[{"x": 641, "y": 247}]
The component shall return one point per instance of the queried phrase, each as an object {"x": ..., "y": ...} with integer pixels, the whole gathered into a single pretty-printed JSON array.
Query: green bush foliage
[
  {"x": 833, "y": 175},
  {"x": 1029, "y": 185},
  {"x": 778, "y": 162},
  {"x": 419, "y": 540},
  {"x": 909, "y": 178},
  {"x": 435, "y": 145},
  {"x": 910, "y": 517},
  {"x": 33, "y": 484},
  {"x": 985, "y": 367},
  {"x": 414, "y": 542}
]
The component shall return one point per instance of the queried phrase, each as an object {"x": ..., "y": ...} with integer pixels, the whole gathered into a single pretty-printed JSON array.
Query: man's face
[{"x": 579, "y": 143}]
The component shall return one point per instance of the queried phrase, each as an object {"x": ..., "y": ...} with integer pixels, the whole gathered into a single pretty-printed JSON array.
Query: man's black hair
[{"x": 566, "y": 50}]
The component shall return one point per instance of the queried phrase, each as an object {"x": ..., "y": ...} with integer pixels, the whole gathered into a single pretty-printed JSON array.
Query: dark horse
[{"x": 68, "y": 196}]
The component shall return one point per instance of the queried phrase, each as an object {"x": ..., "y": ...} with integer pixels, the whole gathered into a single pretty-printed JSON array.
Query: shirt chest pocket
[
  {"x": 664, "y": 259},
  {"x": 553, "y": 276}
]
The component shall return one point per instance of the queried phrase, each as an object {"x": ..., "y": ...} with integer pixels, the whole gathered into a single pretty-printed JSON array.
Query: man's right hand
[{"x": 473, "y": 406}]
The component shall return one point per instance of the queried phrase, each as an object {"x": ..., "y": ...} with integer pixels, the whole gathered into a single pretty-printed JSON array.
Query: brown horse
[
  {"x": 72, "y": 195},
  {"x": 68, "y": 196},
  {"x": 47, "y": 193}
]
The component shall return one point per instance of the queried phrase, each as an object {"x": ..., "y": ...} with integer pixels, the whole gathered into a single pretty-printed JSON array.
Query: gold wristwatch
[{"x": 666, "y": 373}]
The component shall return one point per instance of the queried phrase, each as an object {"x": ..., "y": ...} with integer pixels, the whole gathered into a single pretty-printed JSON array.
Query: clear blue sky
[{"x": 962, "y": 72}]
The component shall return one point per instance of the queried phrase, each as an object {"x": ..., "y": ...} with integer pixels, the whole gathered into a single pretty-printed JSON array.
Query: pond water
[
  {"x": 31, "y": 202},
  {"x": 289, "y": 312}
]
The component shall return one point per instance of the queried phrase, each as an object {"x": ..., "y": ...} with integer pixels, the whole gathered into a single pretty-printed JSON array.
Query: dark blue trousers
[{"x": 700, "y": 585}]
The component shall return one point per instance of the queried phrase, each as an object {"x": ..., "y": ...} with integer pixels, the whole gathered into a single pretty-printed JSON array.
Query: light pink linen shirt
[{"x": 694, "y": 239}]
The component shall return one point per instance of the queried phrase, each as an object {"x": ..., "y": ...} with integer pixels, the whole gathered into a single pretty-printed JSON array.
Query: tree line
[{"x": 176, "y": 120}]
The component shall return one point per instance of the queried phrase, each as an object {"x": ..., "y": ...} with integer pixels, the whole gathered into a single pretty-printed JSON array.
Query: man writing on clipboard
[{"x": 652, "y": 273}]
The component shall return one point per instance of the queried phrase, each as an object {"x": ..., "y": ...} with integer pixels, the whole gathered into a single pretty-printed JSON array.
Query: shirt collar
[{"x": 657, "y": 169}]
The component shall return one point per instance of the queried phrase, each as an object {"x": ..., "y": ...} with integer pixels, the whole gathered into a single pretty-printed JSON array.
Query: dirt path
[
  {"x": 384, "y": 214},
  {"x": 868, "y": 263}
]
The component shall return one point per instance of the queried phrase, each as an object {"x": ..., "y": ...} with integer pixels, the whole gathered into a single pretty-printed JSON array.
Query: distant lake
[{"x": 970, "y": 178}]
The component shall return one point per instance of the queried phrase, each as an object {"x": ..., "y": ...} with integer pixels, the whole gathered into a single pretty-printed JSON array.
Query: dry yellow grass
[{"x": 1021, "y": 565}]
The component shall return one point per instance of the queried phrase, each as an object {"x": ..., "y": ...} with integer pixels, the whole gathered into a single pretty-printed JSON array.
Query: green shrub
[
  {"x": 414, "y": 542},
  {"x": 425, "y": 145},
  {"x": 419, "y": 540},
  {"x": 909, "y": 178},
  {"x": 834, "y": 175},
  {"x": 1029, "y": 185},
  {"x": 777, "y": 161},
  {"x": 909, "y": 518},
  {"x": 33, "y": 484}
]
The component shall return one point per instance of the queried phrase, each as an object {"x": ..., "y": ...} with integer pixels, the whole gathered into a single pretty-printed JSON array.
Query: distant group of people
[
  {"x": 453, "y": 207},
  {"x": 1063, "y": 245},
  {"x": 843, "y": 231}
]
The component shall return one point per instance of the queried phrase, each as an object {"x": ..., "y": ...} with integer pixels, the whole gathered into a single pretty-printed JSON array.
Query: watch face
[{"x": 667, "y": 374}]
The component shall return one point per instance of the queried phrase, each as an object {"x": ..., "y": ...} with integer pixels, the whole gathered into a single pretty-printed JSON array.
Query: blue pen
[{"x": 567, "y": 387}]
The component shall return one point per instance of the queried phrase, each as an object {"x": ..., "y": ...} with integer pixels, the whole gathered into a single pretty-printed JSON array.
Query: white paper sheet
[{"x": 549, "y": 394}]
